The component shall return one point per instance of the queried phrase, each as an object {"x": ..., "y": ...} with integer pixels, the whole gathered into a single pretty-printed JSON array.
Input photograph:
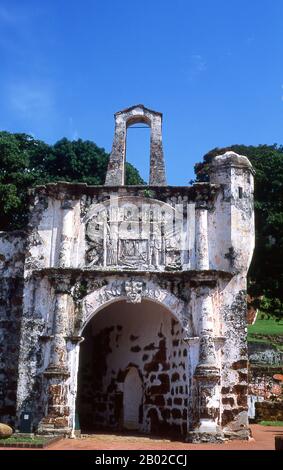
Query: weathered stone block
[{"x": 5, "y": 431}]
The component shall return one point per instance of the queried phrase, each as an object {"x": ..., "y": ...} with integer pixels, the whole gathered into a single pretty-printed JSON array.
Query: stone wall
[
  {"x": 269, "y": 411},
  {"x": 11, "y": 292},
  {"x": 265, "y": 373},
  {"x": 234, "y": 360},
  {"x": 266, "y": 353},
  {"x": 265, "y": 383}
]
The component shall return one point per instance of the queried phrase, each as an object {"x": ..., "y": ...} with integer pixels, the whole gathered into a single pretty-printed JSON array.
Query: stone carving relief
[
  {"x": 94, "y": 238},
  {"x": 133, "y": 291},
  {"x": 133, "y": 235}
]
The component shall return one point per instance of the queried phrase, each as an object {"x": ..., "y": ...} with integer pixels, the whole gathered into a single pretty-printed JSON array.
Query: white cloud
[
  {"x": 195, "y": 65},
  {"x": 198, "y": 63},
  {"x": 74, "y": 134}
]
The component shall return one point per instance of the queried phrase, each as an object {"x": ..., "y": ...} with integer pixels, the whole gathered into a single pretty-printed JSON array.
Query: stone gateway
[{"x": 124, "y": 307}]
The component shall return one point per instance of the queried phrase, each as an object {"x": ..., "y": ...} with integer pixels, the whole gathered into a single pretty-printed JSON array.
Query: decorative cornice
[{"x": 65, "y": 274}]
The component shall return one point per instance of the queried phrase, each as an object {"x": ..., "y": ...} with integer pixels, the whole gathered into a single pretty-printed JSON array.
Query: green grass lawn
[
  {"x": 271, "y": 423},
  {"x": 265, "y": 329},
  {"x": 24, "y": 440},
  {"x": 266, "y": 326}
]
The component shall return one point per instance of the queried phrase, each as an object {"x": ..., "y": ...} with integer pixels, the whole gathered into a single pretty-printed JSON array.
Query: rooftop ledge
[
  {"x": 205, "y": 275},
  {"x": 146, "y": 191}
]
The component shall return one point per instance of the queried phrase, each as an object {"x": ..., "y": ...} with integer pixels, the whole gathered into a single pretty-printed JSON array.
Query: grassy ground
[
  {"x": 24, "y": 440},
  {"x": 266, "y": 326},
  {"x": 266, "y": 330},
  {"x": 271, "y": 423}
]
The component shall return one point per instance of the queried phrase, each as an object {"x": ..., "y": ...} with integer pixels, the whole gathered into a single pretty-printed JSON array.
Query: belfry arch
[{"x": 123, "y": 119}]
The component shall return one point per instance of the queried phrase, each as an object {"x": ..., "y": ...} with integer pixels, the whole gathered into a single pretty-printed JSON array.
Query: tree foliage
[
  {"x": 265, "y": 278},
  {"x": 26, "y": 162}
]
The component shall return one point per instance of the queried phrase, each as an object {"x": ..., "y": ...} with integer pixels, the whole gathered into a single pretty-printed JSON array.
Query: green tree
[
  {"x": 15, "y": 178},
  {"x": 26, "y": 162},
  {"x": 265, "y": 278}
]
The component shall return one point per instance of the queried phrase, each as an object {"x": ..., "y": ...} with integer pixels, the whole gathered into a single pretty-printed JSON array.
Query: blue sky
[{"x": 214, "y": 68}]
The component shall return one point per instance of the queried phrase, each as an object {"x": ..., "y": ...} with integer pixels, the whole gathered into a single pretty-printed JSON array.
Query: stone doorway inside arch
[
  {"x": 133, "y": 371},
  {"x": 132, "y": 400}
]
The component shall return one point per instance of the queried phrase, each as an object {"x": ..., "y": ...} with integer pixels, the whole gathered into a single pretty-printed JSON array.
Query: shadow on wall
[{"x": 11, "y": 291}]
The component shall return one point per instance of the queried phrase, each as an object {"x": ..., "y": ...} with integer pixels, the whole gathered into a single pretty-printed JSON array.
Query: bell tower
[{"x": 123, "y": 119}]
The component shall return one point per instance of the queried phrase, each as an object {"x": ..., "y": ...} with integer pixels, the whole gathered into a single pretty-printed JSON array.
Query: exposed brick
[
  {"x": 176, "y": 413},
  {"x": 177, "y": 401},
  {"x": 228, "y": 401},
  {"x": 241, "y": 364},
  {"x": 175, "y": 377}
]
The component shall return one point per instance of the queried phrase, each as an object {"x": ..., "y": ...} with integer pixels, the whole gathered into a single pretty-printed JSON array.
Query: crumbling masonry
[{"x": 124, "y": 307}]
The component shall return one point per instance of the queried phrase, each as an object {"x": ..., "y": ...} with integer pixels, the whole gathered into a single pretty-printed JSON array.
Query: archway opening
[
  {"x": 132, "y": 399},
  {"x": 133, "y": 371},
  {"x": 138, "y": 147}
]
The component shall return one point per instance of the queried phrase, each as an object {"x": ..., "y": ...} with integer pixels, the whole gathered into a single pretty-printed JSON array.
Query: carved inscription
[{"x": 133, "y": 235}]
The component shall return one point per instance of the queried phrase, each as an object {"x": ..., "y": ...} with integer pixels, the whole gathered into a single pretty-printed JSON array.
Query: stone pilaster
[
  {"x": 115, "y": 175},
  {"x": 58, "y": 347},
  {"x": 157, "y": 167},
  {"x": 201, "y": 234},
  {"x": 206, "y": 377},
  {"x": 56, "y": 375},
  {"x": 66, "y": 242}
]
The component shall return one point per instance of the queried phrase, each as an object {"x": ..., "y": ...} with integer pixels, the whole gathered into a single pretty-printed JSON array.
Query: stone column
[
  {"x": 74, "y": 343},
  {"x": 115, "y": 175},
  {"x": 57, "y": 359},
  {"x": 206, "y": 376},
  {"x": 56, "y": 374},
  {"x": 201, "y": 234},
  {"x": 157, "y": 175},
  {"x": 66, "y": 241}
]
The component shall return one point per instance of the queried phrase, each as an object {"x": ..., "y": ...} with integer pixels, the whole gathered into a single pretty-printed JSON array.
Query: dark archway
[{"x": 145, "y": 341}]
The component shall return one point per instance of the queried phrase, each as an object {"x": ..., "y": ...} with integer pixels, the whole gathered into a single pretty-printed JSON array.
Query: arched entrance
[
  {"x": 133, "y": 361},
  {"x": 132, "y": 399}
]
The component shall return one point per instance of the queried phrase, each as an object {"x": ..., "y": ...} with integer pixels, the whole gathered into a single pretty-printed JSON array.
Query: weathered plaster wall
[
  {"x": 234, "y": 360},
  {"x": 206, "y": 226},
  {"x": 265, "y": 374},
  {"x": 231, "y": 220},
  {"x": 265, "y": 383},
  {"x": 266, "y": 353},
  {"x": 11, "y": 291},
  {"x": 78, "y": 226}
]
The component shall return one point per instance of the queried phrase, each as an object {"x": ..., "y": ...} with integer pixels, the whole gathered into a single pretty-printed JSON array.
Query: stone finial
[
  {"x": 123, "y": 119},
  {"x": 231, "y": 159}
]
